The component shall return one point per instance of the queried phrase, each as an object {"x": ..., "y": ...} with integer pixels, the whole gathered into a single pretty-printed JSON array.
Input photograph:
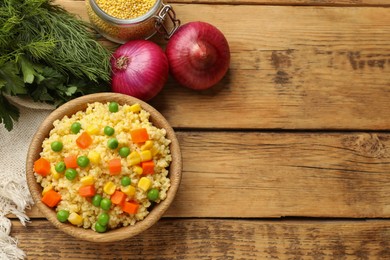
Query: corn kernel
[
  {"x": 144, "y": 184},
  {"x": 155, "y": 151},
  {"x": 46, "y": 189},
  {"x": 138, "y": 169},
  {"x": 134, "y": 161},
  {"x": 134, "y": 158},
  {"x": 134, "y": 154},
  {"x": 109, "y": 188},
  {"x": 135, "y": 108},
  {"x": 94, "y": 157},
  {"x": 147, "y": 145},
  {"x": 75, "y": 219},
  {"x": 92, "y": 130},
  {"x": 55, "y": 174},
  {"x": 128, "y": 190},
  {"x": 87, "y": 180},
  {"x": 146, "y": 155}
]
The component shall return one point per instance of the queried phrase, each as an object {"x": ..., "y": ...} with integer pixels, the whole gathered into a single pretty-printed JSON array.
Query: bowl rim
[{"x": 80, "y": 104}]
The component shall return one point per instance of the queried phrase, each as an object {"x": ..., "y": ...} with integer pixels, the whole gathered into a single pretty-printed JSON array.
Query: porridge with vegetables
[{"x": 105, "y": 167}]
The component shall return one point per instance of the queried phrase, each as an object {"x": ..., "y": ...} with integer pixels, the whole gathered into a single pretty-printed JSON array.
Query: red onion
[
  {"x": 198, "y": 55},
  {"x": 139, "y": 69}
]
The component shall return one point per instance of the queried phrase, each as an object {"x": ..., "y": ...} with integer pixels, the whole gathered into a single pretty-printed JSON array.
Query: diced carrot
[
  {"x": 51, "y": 198},
  {"x": 115, "y": 166},
  {"x": 147, "y": 167},
  {"x": 84, "y": 140},
  {"x": 42, "y": 166},
  {"x": 139, "y": 135},
  {"x": 71, "y": 161},
  {"x": 118, "y": 197},
  {"x": 130, "y": 207},
  {"x": 87, "y": 191}
]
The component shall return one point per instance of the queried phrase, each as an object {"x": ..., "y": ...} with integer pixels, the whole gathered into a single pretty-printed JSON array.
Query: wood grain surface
[
  {"x": 360, "y": 3},
  {"x": 260, "y": 175},
  {"x": 287, "y": 158},
  {"x": 291, "y": 68},
  {"x": 346, "y": 3},
  {"x": 220, "y": 239}
]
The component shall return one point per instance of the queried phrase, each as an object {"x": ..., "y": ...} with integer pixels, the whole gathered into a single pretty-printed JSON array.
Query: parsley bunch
[{"x": 47, "y": 54}]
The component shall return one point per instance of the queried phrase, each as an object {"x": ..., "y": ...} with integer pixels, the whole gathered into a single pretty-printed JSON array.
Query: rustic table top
[{"x": 288, "y": 157}]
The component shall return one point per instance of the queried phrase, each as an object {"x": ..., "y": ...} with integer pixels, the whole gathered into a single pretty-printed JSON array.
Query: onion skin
[
  {"x": 198, "y": 55},
  {"x": 139, "y": 69}
]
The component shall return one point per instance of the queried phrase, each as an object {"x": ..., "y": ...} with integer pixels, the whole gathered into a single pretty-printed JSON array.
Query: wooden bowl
[{"x": 121, "y": 233}]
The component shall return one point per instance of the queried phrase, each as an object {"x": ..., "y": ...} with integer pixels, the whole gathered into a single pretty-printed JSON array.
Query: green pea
[
  {"x": 103, "y": 219},
  {"x": 70, "y": 174},
  {"x": 124, "y": 152},
  {"x": 99, "y": 228},
  {"x": 82, "y": 161},
  {"x": 62, "y": 215},
  {"x": 96, "y": 200},
  {"x": 108, "y": 130},
  {"x": 75, "y": 127},
  {"x": 153, "y": 194},
  {"x": 125, "y": 181},
  {"x": 60, "y": 167},
  {"x": 113, "y": 107},
  {"x": 56, "y": 146},
  {"x": 105, "y": 204},
  {"x": 112, "y": 143}
]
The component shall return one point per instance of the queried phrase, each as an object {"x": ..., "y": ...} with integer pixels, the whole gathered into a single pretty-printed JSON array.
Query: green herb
[
  {"x": 8, "y": 113},
  {"x": 47, "y": 54}
]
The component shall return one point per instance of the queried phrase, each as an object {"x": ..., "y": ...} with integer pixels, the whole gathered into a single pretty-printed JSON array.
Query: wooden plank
[
  {"x": 252, "y": 175},
  {"x": 291, "y": 68},
  {"x": 273, "y": 174},
  {"x": 218, "y": 239},
  {"x": 289, "y": 2},
  {"x": 329, "y": 70},
  {"x": 360, "y": 3}
]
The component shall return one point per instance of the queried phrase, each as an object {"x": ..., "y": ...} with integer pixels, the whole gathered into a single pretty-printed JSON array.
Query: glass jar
[{"x": 160, "y": 18}]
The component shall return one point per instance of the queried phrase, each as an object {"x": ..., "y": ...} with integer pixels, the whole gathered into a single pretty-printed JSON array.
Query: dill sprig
[{"x": 51, "y": 54}]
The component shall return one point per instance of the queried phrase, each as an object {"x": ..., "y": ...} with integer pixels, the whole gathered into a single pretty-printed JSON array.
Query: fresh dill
[{"x": 47, "y": 54}]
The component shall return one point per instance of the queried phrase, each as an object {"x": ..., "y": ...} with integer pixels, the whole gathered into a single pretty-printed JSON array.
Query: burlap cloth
[{"x": 15, "y": 197}]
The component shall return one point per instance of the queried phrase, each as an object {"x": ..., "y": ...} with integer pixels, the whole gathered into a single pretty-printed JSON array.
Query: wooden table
[{"x": 287, "y": 158}]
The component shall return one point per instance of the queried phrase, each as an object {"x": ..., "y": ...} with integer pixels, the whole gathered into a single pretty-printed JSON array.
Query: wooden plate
[
  {"x": 69, "y": 109},
  {"x": 29, "y": 103}
]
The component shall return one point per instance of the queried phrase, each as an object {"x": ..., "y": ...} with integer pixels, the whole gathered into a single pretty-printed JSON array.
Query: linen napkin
[{"x": 15, "y": 197}]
